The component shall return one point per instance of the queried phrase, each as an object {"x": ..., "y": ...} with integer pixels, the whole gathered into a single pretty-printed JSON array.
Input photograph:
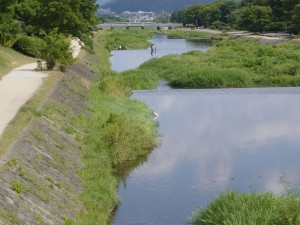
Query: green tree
[
  {"x": 57, "y": 50},
  {"x": 75, "y": 17},
  {"x": 295, "y": 20},
  {"x": 226, "y": 8},
  {"x": 211, "y": 13},
  {"x": 26, "y": 11},
  {"x": 9, "y": 29},
  {"x": 253, "y": 18},
  {"x": 192, "y": 15}
]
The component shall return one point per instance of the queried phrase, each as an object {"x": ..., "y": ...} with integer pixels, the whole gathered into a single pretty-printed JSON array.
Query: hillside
[{"x": 150, "y": 5}]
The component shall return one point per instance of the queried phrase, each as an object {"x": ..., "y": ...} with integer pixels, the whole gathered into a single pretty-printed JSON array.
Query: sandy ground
[
  {"x": 19, "y": 85},
  {"x": 16, "y": 88}
]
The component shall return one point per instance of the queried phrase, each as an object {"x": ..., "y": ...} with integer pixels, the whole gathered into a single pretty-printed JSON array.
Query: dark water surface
[
  {"x": 129, "y": 59},
  {"x": 213, "y": 140}
]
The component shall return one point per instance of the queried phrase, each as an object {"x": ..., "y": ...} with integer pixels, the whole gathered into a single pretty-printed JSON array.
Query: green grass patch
[
  {"x": 188, "y": 34},
  {"x": 130, "y": 39},
  {"x": 17, "y": 186},
  {"x": 10, "y": 59},
  {"x": 232, "y": 208}
]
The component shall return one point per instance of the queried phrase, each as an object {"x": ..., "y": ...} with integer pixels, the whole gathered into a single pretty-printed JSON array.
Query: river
[
  {"x": 212, "y": 140},
  {"x": 122, "y": 60}
]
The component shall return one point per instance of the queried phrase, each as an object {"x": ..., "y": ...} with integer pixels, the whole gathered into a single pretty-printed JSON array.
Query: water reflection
[
  {"x": 213, "y": 140},
  {"x": 130, "y": 59}
]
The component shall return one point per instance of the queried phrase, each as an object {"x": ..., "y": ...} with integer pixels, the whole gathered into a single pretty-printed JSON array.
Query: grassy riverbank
[
  {"x": 119, "y": 130},
  {"x": 229, "y": 64},
  {"x": 233, "y": 208}
]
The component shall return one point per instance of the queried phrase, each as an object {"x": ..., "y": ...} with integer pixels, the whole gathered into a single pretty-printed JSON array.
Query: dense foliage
[
  {"x": 31, "y": 46},
  {"x": 73, "y": 17},
  {"x": 252, "y": 15},
  {"x": 23, "y": 23}
]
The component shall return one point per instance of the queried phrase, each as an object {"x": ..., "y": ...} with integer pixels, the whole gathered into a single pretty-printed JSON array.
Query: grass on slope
[{"x": 10, "y": 59}]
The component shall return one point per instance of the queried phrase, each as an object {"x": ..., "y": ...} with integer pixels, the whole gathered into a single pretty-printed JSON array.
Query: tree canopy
[
  {"x": 70, "y": 17},
  {"x": 252, "y": 15},
  {"x": 41, "y": 28}
]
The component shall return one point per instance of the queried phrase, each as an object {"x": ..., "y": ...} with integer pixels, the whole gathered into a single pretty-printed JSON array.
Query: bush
[
  {"x": 57, "y": 50},
  {"x": 31, "y": 46}
]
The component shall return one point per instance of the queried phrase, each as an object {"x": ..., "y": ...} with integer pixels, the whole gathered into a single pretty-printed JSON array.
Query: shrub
[
  {"x": 31, "y": 46},
  {"x": 57, "y": 50}
]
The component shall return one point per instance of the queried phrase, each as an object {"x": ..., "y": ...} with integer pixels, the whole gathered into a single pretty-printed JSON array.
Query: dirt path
[{"x": 16, "y": 88}]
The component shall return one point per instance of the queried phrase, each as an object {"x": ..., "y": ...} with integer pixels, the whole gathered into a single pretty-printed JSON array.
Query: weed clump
[{"x": 249, "y": 208}]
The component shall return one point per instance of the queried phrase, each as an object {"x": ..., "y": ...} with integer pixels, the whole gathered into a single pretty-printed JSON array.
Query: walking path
[
  {"x": 19, "y": 85},
  {"x": 16, "y": 88}
]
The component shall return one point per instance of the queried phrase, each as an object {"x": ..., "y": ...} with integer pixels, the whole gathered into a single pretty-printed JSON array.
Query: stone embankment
[{"x": 39, "y": 181}]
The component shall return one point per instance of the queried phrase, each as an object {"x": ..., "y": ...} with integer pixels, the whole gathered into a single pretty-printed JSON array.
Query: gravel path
[{"x": 16, "y": 88}]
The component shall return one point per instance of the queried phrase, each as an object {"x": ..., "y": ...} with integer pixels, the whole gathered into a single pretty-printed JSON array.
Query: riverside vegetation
[
  {"x": 232, "y": 208},
  {"x": 118, "y": 131},
  {"x": 233, "y": 63}
]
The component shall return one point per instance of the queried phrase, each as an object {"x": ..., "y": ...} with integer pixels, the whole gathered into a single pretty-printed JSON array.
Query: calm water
[
  {"x": 213, "y": 140},
  {"x": 130, "y": 59}
]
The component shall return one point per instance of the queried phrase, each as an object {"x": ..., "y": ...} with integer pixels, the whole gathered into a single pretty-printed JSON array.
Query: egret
[{"x": 155, "y": 113}]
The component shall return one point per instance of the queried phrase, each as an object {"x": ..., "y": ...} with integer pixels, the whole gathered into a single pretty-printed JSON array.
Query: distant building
[
  {"x": 107, "y": 11},
  {"x": 138, "y": 16}
]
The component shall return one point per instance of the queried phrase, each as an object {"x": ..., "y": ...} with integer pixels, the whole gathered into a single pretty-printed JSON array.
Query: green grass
[
  {"x": 118, "y": 131},
  {"x": 188, "y": 34},
  {"x": 232, "y": 208},
  {"x": 10, "y": 59},
  {"x": 17, "y": 187},
  {"x": 229, "y": 64}
]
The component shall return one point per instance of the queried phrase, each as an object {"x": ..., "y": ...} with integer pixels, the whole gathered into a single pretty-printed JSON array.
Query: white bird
[{"x": 155, "y": 113}]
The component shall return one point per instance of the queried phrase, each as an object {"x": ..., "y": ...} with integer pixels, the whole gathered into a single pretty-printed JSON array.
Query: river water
[
  {"x": 130, "y": 59},
  {"x": 212, "y": 140}
]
